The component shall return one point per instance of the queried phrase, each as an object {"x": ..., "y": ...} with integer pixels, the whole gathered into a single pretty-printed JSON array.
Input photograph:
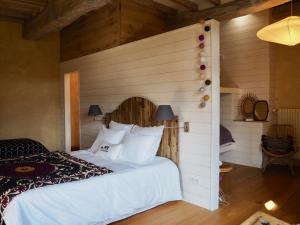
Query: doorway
[{"x": 72, "y": 111}]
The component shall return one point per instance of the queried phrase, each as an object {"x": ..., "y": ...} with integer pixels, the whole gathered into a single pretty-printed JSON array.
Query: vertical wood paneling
[
  {"x": 91, "y": 33},
  {"x": 145, "y": 68},
  {"x": 139, "y": 21},
  {"x": 121, "y": 21}
]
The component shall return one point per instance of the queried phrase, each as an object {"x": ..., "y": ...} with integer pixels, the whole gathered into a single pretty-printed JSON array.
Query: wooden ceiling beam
[
  {"x": 262, "y": 6},
  {"x": 11, "y": 19},
  {"x": 20, "y": 6},
  {"x": 26, "y": 3},
  {"x": 157, "y": 5},
  {"x": 40, "y": 3},
  {"x": 187, "y": 4},
  {"x": 215, "y": 2},
  {"x": 228, "y": 10},
  {"x": 165, "y": 8},
  {"x": 59, "y": 14},
  {"x": 9, "y": 13}
]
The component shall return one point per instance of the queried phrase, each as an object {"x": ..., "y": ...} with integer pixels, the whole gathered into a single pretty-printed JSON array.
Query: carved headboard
[{"x": 140, "y": 111}]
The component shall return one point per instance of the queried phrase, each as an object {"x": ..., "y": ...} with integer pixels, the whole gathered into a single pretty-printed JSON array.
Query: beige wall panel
[
  {"x": 284, "y": 66},
  {"x": 30, "y": 90}
]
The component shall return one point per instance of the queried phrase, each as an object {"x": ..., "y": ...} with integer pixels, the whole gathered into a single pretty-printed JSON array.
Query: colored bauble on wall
[
  {"x": 203, "y": 60},
  {"x": 207, "y": 28}
]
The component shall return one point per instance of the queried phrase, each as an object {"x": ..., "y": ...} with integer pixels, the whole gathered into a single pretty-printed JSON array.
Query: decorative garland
[{"x": 203, "y": 66}]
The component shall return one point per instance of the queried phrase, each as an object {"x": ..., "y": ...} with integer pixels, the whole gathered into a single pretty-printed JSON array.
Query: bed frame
[{"x": 141, "y": 111}]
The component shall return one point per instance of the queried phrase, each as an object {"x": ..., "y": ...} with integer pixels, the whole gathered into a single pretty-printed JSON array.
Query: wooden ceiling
[
  {"x": 40, "y": 17},
  {"x": 21, "y": 10},
  {"x": 24, "y": 10}
]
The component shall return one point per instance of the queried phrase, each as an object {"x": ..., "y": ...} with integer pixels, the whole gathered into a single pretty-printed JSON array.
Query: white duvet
[{"x": 98, "y": 200}]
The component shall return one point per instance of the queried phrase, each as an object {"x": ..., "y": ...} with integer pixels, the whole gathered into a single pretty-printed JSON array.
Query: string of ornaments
[{"x": 203, "y": 66}]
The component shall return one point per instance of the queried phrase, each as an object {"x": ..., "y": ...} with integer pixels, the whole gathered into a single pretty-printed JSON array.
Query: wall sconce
[
  {"x": 95, "y": 111},
  {"x": 165, "y": 112}
]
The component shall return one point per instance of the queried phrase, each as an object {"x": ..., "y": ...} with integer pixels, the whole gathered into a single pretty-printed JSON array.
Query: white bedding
[
  {"x": 98, "y": 200},
  {"x": 227, "y": 147}
]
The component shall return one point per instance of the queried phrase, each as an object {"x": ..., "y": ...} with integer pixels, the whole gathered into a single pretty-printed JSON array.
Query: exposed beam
[
  {"x": 165, "y": 8},
  {"x": 13, "y": 14},
  {"x": 187, "y": 4},
  {"x": 157, "y": 5},
  {"x": 24, "y": 3},
  {"x": 228, "y": 11},
  {"x": 40, "y": 3},
  {"x": 215, "y": 2},
  {"x": 262, "y": 6},
  {"x": 20, "y": 6},
  {"x": 11, "y": 19},
  {"x": 59, "y": 14}
]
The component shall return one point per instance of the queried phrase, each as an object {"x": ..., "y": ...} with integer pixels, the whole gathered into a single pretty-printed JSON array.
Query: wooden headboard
[{"x": 141, "y": 112}]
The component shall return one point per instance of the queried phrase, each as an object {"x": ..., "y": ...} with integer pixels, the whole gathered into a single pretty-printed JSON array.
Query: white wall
[
  {"x": 246, "y": 151},
  {"x": 245, "y": 65},
  {"x": 244, "y": 57},
  {"x": 164, "y": 69}
]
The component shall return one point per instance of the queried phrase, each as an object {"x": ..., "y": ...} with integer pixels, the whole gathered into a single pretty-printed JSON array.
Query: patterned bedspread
[{"x": 28, "y": 172}]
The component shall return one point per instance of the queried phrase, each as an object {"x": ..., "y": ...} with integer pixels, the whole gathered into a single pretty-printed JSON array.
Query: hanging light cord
[{"x": 291, "y": 7}]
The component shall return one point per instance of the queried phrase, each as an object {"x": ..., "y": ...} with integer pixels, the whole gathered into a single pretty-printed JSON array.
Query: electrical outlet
[{"x": 194, "y": 180}]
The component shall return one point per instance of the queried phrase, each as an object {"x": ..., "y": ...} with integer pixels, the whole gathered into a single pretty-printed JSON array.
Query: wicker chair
[{"x": 272, "y": 157}]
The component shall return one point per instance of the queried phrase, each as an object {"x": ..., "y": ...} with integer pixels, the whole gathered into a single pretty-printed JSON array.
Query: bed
[
  {"x": 227, "y": 142},
  {"x": 110, "y": 190}
]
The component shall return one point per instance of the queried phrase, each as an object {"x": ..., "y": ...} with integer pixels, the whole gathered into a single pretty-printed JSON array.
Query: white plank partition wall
[{"x": 165, "y": 70}]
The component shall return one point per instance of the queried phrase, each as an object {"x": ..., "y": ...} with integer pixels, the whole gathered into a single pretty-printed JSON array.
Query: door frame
[{"x": 67, "y": 106}]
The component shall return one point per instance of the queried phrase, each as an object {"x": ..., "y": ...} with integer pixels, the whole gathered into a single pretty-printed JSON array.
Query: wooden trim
[
  {"x": 141, "y": 112},
  {"x": 67, "y": 112}
]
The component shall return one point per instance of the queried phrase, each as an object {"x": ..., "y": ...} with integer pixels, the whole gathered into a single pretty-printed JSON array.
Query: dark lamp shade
[
  {"x": 95, "y": 110},
  {"x": 164, "y": 112}
]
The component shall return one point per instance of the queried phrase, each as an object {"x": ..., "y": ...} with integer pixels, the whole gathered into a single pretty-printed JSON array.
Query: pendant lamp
[{"x": 285, "y": 32}]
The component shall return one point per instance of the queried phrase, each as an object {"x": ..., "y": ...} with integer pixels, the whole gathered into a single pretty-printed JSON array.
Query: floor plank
[{"x": 247, "y": 190}]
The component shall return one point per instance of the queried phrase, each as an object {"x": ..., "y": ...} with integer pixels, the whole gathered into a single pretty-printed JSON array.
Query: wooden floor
[{"x": 248, "y": 189}]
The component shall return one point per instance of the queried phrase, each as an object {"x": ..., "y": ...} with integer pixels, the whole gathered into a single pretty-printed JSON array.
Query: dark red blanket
[{"x": 28, "y": 172}]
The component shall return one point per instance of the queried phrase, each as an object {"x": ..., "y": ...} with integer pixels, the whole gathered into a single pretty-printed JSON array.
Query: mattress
[{"x": 99, "y": 200}]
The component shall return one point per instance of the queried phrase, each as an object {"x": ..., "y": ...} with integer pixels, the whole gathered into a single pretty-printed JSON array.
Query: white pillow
[
  {"x": 109, "y": 151},
  {"x": 107, "y": 136},
  {"x": 120, "y": 126},
  {"x": 138, "y": 149},
  {"x": 157, "y": 132}
]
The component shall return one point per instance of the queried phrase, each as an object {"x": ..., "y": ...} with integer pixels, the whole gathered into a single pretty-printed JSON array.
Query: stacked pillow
[
  {"x": 120, "y": 126},
  {"x": 127, "y": 142},
  {"x": 107, "y": 144}
]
